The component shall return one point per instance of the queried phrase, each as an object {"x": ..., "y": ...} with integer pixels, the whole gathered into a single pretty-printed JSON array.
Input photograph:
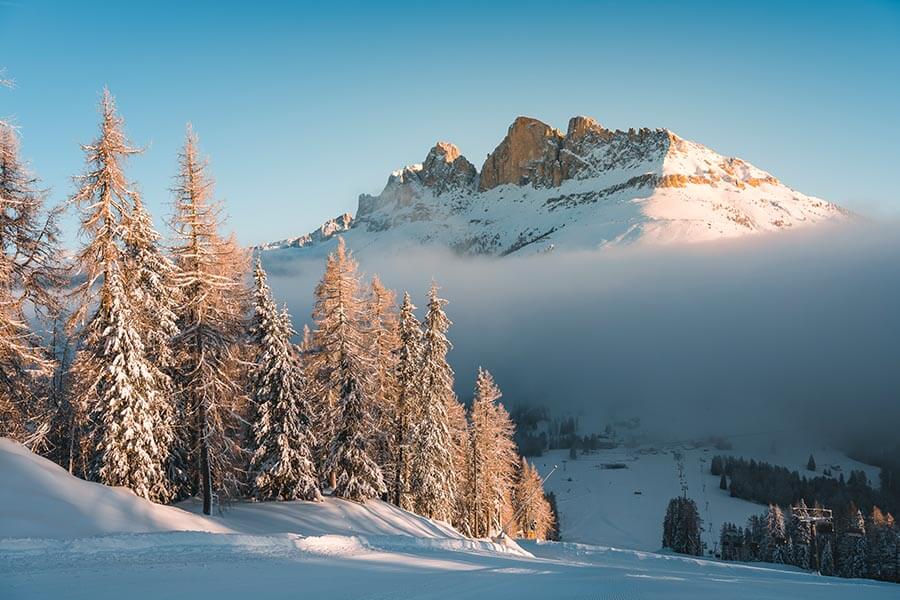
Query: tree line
[
  {"x": 853, "y": 545},
  {"x": 166, "y": 371},
  {"x": 761, "y": 482}
]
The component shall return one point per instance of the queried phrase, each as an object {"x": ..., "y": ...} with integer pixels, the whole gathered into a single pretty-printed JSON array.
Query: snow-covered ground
[
  {"x": 59, "y": 539},
  {"x": 625, "y": 507}
]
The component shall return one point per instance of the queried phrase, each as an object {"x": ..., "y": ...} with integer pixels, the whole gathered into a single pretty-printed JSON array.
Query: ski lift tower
[{"x": 814, "y": 517}]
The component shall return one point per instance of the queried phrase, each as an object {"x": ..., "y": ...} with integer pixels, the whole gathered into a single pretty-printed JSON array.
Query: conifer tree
[
  {"x": 114, "y": 379},
  {"x": 681, "y": 527},
  {"x": 801, "y": 540},
  {"x": 154, "y": 297},
  {"x": 356, "y": 474},
  {"x": 534, "y": 517},
  {"x": 459, "y": 435},
  {"x": 282, "y": 461},
  {"x": 433, "y": 484},
  {"x": 826, "y": 563},
  {"x": 877, "y": 551},
  {"x": 853, "y": 547},
  {"x": 29, "y": 275},
  {"x": 209, "y": 278},
  {"x": 776, "y": 536},
  {"x": 491, "y": 458},
  {"x": 342, "y": 370},
  {"x": 409, "y": 356},
  {"x": 381, "y": 322},
  {"x": 132, "y": 427}
]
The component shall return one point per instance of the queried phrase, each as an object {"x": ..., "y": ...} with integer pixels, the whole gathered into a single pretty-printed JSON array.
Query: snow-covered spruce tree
[
  {"x": 433, "y": 484},
  {"x": 154, "y": 297},
  {"x": 491, "y": 461},
  {"x": 282, "y": 462},
  {"x": 130, "y": 430},
  {"x": 29, "y": 275},
  {"x": 681, "y": 527},
  {"x": 357, "y": 476},
  {"x": 132, "y": 427},
  {"x": 534, "y": 518},
  {"x": 381, "y": 322},
  {"x": 209, "y": 277},
  {"x": 776, "y": 540},
  {"x": 879, "y": 555},
  {"x": 853, "y": 549},
  {"x": 800, "y": 536},
  {"x": 826, "y": 563},
  {"x": 409, "y": 356},
  {"x": 341, "y": 368}
]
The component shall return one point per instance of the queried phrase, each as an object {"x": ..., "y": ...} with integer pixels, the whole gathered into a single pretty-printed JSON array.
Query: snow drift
[{"x": 41, "y": 499}]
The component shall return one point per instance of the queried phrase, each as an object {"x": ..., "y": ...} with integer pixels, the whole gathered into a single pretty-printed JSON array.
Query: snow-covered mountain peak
[{"x": 589, "y": 187}]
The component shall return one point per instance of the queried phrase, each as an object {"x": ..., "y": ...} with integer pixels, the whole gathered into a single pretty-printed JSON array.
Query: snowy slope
[
  {"x": 599, "y": 505},
  {"x": 334, "y": 549},
  {"x": 40, "y": 499},
  {"x": 589, "y": 188},
  {"x": 229, "y": 567}
]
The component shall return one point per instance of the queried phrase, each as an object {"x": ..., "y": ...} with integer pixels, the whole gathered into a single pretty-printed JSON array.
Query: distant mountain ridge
[{"x": 584, "y": 189}]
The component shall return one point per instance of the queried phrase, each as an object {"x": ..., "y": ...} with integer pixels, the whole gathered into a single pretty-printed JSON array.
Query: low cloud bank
[{"x": 792, "y": 332}]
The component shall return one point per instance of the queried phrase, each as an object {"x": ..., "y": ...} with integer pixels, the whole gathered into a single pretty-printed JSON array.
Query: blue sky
[{"x": 302, "y": 107}]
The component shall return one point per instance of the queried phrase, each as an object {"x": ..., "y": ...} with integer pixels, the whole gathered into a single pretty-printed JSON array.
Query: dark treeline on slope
[
  {"x": 759, "y": 481},
  {"x": 171, "y": 375},
  {"x": 857, "y": 544}
]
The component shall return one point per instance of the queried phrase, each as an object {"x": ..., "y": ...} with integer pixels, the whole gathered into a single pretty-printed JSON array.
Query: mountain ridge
[{"x": 586, "y": 188}]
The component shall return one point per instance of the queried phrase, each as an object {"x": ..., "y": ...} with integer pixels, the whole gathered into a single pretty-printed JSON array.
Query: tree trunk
[
  {"x": 398, "y": 475},
  {"x": 205, "y": 473}
]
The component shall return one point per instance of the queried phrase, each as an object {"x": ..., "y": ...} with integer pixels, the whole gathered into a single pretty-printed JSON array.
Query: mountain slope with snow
[
  {"x": 65, "y": 538},
  {"x": 585, "y": 189}
]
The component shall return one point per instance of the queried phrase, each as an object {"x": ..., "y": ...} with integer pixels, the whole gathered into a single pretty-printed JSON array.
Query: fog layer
[{"x": 796, "y": 331}]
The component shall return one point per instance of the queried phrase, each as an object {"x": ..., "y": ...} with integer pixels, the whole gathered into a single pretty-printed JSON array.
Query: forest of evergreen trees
[
  {"x": 764, "y": 483},
  {"x": 862, "y": 539},
  {"x": 853, "y": 545},
  {"x": 164, "y": 369}
]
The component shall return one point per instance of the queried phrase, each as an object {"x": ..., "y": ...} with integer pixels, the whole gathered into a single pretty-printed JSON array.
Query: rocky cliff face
[
  {"x": 587, "y": 188},
  {"x": 528, "y": 155}
]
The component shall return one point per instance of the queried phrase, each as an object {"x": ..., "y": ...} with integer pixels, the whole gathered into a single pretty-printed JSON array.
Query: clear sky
[{"x": 302, "y": 107}]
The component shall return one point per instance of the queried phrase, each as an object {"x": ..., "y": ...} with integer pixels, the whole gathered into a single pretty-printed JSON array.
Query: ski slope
[
  {"x": 64, "y": 538},
  {"x": 625, "y": 507}
]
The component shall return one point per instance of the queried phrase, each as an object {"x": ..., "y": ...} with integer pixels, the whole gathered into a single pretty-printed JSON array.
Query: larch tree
[
  {"x": 342, "y": 370},
  {"x": 459, "y": 435},
  {"x": 281, "y": 465},
  {"x": 29, "y": 276},
  {"x": 409, "y": 357},
  {"x": 210, "y": 312},
  {"x": 433, "y": 483},
  {"x": 533, "y": 515},
  {"x": 381, "y": 321},
  {"x": 117, "y": 389},
  {"x": 491, "y": 459}
]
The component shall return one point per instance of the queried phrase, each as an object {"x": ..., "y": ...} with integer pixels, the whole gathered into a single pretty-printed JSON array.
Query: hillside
[
  {"x": 624, "y": 507},
  {"x": 336, "y": 549},
  {"x": 590, "y": 187}
]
